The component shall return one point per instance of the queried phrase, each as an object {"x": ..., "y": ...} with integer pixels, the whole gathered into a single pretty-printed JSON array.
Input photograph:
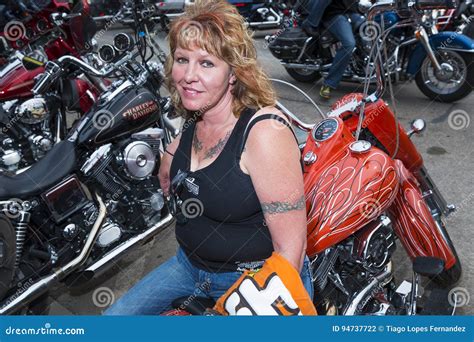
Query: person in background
[
  {"x": 315, "y": 10},
  {"x": 341, "y": 17}
]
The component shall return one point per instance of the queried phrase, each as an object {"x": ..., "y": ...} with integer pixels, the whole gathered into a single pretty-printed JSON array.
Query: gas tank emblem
[{"x": 140, "y": 111}]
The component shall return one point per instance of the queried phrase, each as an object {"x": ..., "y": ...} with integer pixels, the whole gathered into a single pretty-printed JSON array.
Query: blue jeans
[
  {"x": 341, "y": 28},
  {"x": 315, "y": 12},
  {"x": 177, "y": 277}
]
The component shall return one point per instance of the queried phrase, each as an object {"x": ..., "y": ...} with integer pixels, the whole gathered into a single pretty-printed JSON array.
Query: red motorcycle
[
  {"x": 366, "y": 187},
  {"x": 28, "y": 129},
  {"x": 51, "y": 33}
]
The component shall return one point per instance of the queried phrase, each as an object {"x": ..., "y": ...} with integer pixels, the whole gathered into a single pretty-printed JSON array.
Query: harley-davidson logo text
[{"x": 140, "y": 111}]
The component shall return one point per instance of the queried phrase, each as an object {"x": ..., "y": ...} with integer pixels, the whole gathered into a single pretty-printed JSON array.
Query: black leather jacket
[{"x": 340, "y": 7}]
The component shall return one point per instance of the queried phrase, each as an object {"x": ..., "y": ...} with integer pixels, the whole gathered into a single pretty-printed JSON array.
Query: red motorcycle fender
[{"x": 413, "y": 222}]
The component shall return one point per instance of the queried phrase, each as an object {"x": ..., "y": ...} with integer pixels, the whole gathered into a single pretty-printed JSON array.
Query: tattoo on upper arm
[{"x": 283, "y": 207}]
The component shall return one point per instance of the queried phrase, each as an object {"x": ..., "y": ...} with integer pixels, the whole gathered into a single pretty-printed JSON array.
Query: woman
[{"x": 238, "y": 166}]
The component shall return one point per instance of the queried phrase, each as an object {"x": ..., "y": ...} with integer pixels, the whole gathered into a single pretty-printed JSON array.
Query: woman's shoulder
[
  {"x": 269, "y": 110},
  {"x": 268, "y": 128}
]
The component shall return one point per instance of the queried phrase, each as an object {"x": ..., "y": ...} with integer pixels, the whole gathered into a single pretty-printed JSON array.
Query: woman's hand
[
  {"x": 165, "y": 165},
  {"x": 272, "y": 159}
]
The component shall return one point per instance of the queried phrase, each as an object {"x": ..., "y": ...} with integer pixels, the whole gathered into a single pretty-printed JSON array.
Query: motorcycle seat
[
  {"x": 194, "y": 305},
  {"x": 57, "y": 164}
]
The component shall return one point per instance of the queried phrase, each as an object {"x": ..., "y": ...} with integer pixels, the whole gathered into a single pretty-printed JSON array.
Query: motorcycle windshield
[{"x": 82, "y": 28}]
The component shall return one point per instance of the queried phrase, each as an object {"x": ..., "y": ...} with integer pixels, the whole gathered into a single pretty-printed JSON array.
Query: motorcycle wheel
[
  {"x": 304, "y": 75},
  {"x": 450, "y": 85}
]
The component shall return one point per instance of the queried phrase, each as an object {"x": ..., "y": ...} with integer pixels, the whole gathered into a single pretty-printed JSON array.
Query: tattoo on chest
[
  {"x": 283, "y": 207},
  {"x": 197, "y": 144},
  {"x": 212, "y": 151}
]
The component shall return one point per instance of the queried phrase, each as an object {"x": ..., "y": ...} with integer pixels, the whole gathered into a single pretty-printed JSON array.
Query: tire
[
  {"x": 432, "y": 83},
  {"x": 304, "y": 75}
]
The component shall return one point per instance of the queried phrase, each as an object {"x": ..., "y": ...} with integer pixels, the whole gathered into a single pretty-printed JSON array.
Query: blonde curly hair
[{"x": 217, "y": 27}]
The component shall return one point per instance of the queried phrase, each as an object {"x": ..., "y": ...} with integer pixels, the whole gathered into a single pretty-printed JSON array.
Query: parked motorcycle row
[
  {"x": 417, "y": 47},
  {"x": 77, "y": 196}
]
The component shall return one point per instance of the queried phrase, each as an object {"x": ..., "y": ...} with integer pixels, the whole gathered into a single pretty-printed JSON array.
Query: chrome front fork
[{"x": 422, "y": 36}]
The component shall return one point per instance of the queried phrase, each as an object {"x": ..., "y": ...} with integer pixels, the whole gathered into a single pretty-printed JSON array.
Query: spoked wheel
[
  {"x": 452, "y": 82},
  {"x": 304, "y": 75}
]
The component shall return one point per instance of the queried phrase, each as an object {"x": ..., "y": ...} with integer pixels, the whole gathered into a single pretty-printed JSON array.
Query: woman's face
[{"x": 202, "y": 80}]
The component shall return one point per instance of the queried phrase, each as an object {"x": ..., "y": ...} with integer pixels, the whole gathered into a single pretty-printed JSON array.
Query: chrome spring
[{"x": 21, "y": 228}]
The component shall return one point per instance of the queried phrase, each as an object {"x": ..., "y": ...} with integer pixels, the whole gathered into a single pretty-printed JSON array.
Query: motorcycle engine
[
  {"x": 125, "y": 173},
  {"x": 374, "y": 246}
]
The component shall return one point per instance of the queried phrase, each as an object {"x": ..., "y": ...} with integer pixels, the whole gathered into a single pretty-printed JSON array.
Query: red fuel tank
[
  {"x": 16, "y": 82},
  {"x": 348, "y": 183}
]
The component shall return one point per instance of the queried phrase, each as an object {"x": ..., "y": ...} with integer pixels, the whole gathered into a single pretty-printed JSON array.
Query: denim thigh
[{"x": 154, "y": 293}]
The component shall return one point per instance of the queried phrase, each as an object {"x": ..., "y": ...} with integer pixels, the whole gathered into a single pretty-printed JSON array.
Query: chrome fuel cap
[{"x": 360, "y": 146}]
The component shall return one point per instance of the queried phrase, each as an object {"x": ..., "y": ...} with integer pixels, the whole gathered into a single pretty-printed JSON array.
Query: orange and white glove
[{"x": 275, "y": 289}]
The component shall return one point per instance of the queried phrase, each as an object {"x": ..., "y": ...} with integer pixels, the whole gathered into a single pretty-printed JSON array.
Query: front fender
[{"x": 444, "y": 40}]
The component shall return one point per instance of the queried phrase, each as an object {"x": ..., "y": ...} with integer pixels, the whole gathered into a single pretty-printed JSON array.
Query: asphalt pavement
[{"x": 446, "y": 146}]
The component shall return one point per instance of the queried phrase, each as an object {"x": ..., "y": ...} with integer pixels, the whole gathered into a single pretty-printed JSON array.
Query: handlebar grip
[{"x": 50, "y": 75}]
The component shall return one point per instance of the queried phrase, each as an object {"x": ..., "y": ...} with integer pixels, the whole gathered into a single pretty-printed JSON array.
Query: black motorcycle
[{"x": 95, "y": 195}]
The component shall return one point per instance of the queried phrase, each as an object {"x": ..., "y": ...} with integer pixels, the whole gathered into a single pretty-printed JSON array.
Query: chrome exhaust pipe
[
  {"x": 275, "y": 22},
  {"x": 42, "y": 285},
  {"x": 101, "y": 265},
  {"x": 357, "y": 298},
  {"x": 301, "y": 66}
]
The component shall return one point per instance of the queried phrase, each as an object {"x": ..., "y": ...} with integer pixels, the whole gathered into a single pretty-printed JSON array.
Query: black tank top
[{"x": 230, "y": 233}]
